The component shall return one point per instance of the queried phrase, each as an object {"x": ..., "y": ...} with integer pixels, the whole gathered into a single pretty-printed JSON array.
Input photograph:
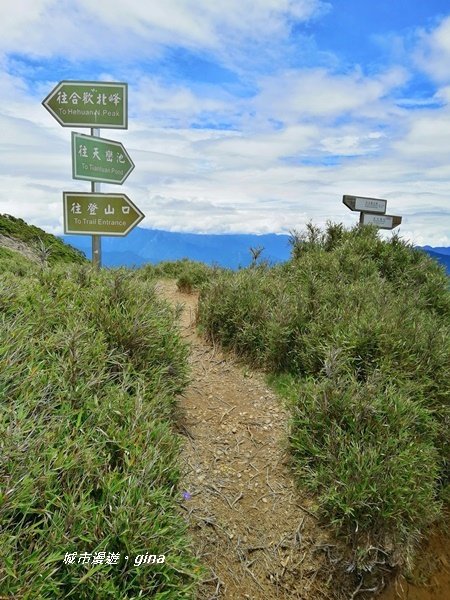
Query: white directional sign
[
  {"x": 372, "y": 205},
  {"x": 381, "y": 221}
]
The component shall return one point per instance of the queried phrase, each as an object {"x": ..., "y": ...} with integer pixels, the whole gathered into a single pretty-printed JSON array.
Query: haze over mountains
[
  {"x": 142, "y": 246},
  {"x": 152, "y": 245}
]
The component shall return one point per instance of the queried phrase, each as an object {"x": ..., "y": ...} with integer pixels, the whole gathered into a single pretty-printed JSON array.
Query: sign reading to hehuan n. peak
[{"x": 89, "y": 104}]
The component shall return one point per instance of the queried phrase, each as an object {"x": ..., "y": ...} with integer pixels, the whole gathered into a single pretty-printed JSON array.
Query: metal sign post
[
  {"x": 95, "y": 104},
  {"x": 96, "y": 239},
  {"x": 372, "y": 211}
]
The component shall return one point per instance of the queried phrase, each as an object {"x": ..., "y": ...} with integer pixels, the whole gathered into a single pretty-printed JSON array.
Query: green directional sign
[
  {"x": 89, "y": 104},
  {"x": 98, "y": 159},
  {"x": 99, "y": 214}
]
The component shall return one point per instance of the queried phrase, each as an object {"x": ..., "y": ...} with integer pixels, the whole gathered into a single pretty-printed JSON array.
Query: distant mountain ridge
[
  {"x": 442, "y": 257},
  {"x": 142, "y": 246},
  {"x": 437, "y": 249}
]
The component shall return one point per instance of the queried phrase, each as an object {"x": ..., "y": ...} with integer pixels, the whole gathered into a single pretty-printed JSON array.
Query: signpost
[
  {"x": 372, "y": 211},
  {"x": 98, "y": 159},
  {"x": 95, "y": 104},
  {"x": 89, "y": 104},
  {"x": 99, "y": 214},
  {"x": 381, "y": 221}
]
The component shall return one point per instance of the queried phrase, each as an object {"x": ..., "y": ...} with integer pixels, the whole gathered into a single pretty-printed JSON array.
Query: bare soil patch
[{"x": 431, "y": 578}]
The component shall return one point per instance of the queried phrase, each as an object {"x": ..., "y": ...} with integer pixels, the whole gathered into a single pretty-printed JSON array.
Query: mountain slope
[{"x": 34, "y": 243}]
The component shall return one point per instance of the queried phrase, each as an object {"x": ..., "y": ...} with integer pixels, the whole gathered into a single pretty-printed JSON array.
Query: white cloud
[
  {"x": 175, "y": 103},
  {"x": 202, "y": 22},
  {"x": 354, "y": 143},
  {"x": 219, "y": 180},
  {"x": 427, "y": 138},
  {"x": 249, "y": 150},
  {"x": 133, "y": 29},
  {"x": 265, "y": 173},
  {"x": 432, "y": 54},
  {"x": 295, "y": 94},
  {"x": 20, "y": 18}
]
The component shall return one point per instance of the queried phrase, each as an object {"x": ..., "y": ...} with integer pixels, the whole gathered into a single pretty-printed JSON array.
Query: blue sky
[{"x": 244, "y": 115}]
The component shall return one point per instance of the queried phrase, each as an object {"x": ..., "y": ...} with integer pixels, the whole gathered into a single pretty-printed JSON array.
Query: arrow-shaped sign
[
  {"x": 99, "y": 214},
  {"x": 381, "y": 221},
  {"x": 89, "y": 104},
  {"x": 98, "y": 159},
  {"x": 373, "y": 205}
]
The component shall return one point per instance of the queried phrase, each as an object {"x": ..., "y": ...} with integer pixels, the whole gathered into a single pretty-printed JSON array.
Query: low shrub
[
  {"x": 50, "y": 248},
  {"x": 370, "y": 454},
  {"x": 189, "y": 273}
]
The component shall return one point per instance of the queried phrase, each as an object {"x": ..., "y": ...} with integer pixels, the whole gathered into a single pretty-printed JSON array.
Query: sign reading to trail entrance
[
  {"x": 89, "y": 104},
  {"x": 99, "y": 214},
  {"x": 381, "y": 221},
  {"x": 373, "y": 205},
  {"x": 97, "y": 159}
]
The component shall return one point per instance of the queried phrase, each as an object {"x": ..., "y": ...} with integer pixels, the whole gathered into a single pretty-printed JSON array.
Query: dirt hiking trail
[
  {"x": 243, "y": 511},
  {"x": 252, "y": 528}
]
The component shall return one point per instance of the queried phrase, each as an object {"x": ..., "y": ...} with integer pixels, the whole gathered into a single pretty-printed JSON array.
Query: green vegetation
[
  {"x": 91, "y": 363},
  {"x": 190, "y": 274},
  {"x": 47, "y": 246},
  {"x": 15, "y": 262},
  {"x": 355, "y": 332}
]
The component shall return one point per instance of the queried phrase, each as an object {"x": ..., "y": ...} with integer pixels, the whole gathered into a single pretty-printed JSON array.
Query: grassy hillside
[
  {"x": 48, "y": 247},
  {"x": 91, "y": 363},
  {"x": 12, "y": 261},
  {"x": 355, "y": 332}
]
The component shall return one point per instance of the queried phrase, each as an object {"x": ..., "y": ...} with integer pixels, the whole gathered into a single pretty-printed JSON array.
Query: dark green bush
[
  {"x": 369, "y": 452},
  {"x": 196, "y": 274},
  {"x": 185, "y": 283}
]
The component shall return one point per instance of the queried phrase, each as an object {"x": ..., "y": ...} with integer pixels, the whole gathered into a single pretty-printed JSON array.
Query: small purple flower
[{"x": 186, "y": 496}]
